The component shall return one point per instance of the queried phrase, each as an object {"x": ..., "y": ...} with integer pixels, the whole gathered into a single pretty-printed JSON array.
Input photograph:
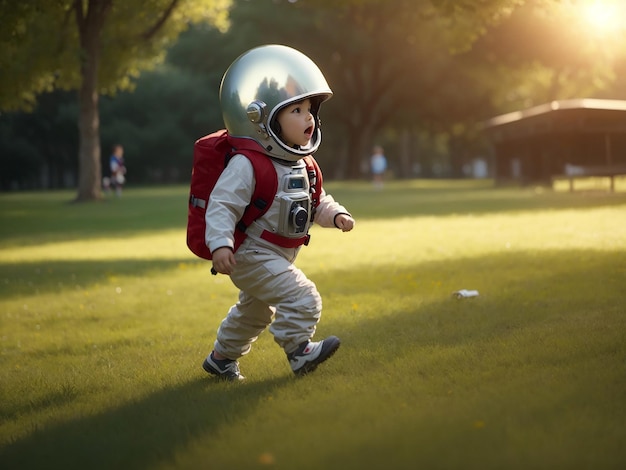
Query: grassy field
[{"x": 106, "y": 317}]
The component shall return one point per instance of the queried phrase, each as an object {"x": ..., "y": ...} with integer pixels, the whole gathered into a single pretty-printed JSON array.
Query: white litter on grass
[{"x": 465, "y": 294}]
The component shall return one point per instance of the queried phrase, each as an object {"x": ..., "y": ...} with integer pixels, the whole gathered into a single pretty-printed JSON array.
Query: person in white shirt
[{"x": 378, "y": 163}]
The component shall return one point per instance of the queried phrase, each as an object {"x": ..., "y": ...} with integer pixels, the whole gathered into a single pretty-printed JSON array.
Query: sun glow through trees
[{"x": 605, "y": 16}]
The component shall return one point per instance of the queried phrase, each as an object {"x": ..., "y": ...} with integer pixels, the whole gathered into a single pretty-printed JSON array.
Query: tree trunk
[
  {"x": 89, "y": 169},
  {"x": 405, "y": 163},
  {"x": 359, "y": 142},
  {"x": 90, "y": 22}
]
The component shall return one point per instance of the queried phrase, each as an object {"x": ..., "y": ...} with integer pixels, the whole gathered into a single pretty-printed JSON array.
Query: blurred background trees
[
  {"x": 417, "y": 76},
  {"x": 91, "y": 46}
]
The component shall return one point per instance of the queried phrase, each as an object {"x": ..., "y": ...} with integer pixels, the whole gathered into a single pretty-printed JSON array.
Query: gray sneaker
[
  {"x": 225, "y": 369},
  {"x": 309, "y": 355}
]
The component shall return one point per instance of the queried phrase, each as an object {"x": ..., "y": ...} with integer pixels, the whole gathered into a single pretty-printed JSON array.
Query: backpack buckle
[{"x": 197, "y": 202}]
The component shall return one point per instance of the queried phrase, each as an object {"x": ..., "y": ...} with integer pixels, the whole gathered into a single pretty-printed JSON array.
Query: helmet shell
[{"x": 258, "y": 84}]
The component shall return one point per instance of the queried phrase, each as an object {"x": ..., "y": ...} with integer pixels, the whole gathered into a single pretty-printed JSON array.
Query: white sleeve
[
  {"x": 230, "y": 197},
  {"x": 327, "y": 210}
]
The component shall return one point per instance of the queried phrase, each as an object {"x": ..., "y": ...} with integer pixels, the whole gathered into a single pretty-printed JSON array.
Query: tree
[
  {"x": 94, "y": 47},
  {"x": 403, "y": 64},
  {"x": 39, "y": 148},
  {"x": 430, "y": 69},
  {"x": 547, "y": 51},
  {"x": 158, "y": 122},
  {"x": 384, "y": 59}
]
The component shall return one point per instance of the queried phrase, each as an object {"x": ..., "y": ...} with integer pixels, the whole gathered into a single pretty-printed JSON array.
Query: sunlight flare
[{"x": 604, "y": 15}]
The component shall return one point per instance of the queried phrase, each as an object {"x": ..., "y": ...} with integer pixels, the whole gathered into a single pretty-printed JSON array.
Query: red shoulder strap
[
  {"x": 315, "y": 179},
  {"x": 264, "y": 189},
  {"x": 267, "y": 185}
]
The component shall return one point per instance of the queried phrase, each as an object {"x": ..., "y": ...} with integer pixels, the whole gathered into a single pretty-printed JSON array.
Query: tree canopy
[
  {"x": 41, "y": 49},
  {"x": 426, "y": 71},
  {"x": 93, "y": 46}
]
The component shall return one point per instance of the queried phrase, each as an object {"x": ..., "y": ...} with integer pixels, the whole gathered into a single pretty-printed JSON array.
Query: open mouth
[{"x": 308, "y": 131}]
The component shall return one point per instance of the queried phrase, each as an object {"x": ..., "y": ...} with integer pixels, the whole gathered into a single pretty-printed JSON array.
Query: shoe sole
[{"x": 324, "y": 355}]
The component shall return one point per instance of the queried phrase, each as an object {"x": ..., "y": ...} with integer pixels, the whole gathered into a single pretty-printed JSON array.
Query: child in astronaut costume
[{"x": 272, "y": 95}]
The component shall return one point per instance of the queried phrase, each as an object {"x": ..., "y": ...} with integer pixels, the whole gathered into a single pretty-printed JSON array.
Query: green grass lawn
[{"x": 106, "y": 317}]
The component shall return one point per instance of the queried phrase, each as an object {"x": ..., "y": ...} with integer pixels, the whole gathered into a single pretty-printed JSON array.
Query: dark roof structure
[{"x": 534, "y": 144}]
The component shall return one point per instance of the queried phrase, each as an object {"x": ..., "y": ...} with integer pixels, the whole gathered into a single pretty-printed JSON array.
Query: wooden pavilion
[{"x": 562, "y": 138}]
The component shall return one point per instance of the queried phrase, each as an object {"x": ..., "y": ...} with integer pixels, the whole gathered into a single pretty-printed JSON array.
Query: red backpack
[{"x": 211, "y": 154}]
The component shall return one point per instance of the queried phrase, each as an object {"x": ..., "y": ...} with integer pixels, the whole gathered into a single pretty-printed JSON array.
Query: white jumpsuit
[{"x": 272, "y": 290}]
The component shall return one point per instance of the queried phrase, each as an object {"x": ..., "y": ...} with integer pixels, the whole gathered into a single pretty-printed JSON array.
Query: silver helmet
[{"x": 262, "y": 81}]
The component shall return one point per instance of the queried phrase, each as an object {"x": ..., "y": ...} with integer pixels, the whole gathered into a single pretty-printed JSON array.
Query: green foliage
[
  {"x": 547, "y": 51},
  {"x": 415, "y": 66},
  {"x": 391, "y": 73},
  {"x": 39, "y": 148},
  {"x": 96, "y": 47},
  {"x": 106, "y": 318},
  {"x": 158, "y": 124},
  {"x": 417, "y": 76},
  {"x": 30, "y": 52},
  {"x": 133, "y": 47},
  {"x": 41, "y": 50}
]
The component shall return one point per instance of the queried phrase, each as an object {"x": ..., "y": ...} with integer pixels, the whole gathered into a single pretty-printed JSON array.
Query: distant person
[
  {"x": 118, "y": 169},
  {"x": 106, "y": 184},
  {"x": 378, "y": 165}
]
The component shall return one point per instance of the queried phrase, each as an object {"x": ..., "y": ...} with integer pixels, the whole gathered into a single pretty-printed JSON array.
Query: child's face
[{"x": 296, "y": 123}]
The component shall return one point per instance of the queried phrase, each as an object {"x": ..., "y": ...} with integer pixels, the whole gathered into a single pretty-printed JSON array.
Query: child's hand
[
  {"x": 223, "y": 260},
  {"x": 344, "y": 222}
]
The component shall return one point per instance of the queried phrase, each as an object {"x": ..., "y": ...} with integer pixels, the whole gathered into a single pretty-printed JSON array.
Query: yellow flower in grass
[{"x": 266, "y": 458}]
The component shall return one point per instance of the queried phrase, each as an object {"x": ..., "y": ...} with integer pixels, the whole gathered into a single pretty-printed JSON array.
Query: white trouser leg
[
  {"x": 271, "y": 280},
  {"x": 245, "y": 321}
]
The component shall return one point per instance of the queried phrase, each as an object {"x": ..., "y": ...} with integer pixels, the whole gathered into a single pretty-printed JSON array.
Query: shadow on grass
[
  {"x": 39, "y": 277},
  {"x": 518, "y": 292},
  {"x": 27, "y": 220},
  {"x": 57, "y": 398},
  {"x": 553, "y": 316},
  {"x": 141, "y": 433},
  {"x": 516, "y": 289}
]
